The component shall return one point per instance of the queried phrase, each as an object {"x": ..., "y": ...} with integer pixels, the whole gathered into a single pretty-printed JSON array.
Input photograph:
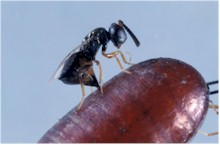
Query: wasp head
[{"x": 117, "y": 35}]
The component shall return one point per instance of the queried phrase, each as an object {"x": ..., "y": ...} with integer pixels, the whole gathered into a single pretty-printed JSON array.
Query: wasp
[{"x": 77, "y": 66}]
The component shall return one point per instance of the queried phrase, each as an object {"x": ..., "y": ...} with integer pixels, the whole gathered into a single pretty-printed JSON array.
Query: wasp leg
[
  {"x": 83, "y": 95},
  {"x": 113, "y": 54},
  {"x": 124, "y": 59},
  {"x": 91, "y": 89},
  {"x": 121, "y": 67},
  {"x": 214, "y": 107},
  {"x": 207, "y": 134},
  {"x": 128, "y": 53},
  {"x": 100, "y": 74}
]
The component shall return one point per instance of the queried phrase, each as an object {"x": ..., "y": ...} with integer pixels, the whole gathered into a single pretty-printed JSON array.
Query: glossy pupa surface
[{"x": 163, "y": 101}]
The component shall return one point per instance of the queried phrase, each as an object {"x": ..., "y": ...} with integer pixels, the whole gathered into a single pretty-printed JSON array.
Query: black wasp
[{"x": 77, "y": 66}]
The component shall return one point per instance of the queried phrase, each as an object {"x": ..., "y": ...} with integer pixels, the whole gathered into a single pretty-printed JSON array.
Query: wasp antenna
[
  {"x": 212, "y": 83},
  {"x": 213, "y": 92},
  {"x": 136, "y": 41}
]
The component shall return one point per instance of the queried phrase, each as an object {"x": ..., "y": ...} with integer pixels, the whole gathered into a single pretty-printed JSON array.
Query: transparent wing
[{"x": 58, "y": 71}]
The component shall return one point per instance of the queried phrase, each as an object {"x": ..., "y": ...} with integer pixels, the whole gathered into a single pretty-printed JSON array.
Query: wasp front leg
[{"x": 114, "y": 54}]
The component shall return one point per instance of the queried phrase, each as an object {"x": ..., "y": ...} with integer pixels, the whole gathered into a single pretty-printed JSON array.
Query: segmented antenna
[
  {"x": 136, "y": 41},
  {"x": 212, "y": 83}
]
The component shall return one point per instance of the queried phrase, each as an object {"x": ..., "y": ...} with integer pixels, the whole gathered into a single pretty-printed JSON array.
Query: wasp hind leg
[
  {"x": 91, "y": 89},
  {"x": 83, "y": 95},
  {"x": 100, "y": 74},
  {"x": 114, "y": 54}
]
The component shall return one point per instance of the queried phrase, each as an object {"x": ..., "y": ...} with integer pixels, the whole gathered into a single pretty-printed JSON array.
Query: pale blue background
[{"x": 36, "y": 36}]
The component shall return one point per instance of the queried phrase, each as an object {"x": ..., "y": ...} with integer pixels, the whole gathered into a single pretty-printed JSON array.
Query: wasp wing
[{"x": 58, "y": 71}]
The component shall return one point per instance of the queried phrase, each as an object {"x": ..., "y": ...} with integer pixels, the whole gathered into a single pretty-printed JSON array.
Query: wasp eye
[{"x": 121, "y": 36}]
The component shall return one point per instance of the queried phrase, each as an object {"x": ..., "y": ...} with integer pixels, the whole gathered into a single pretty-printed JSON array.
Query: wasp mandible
[{"x": 77, "y": 66}]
